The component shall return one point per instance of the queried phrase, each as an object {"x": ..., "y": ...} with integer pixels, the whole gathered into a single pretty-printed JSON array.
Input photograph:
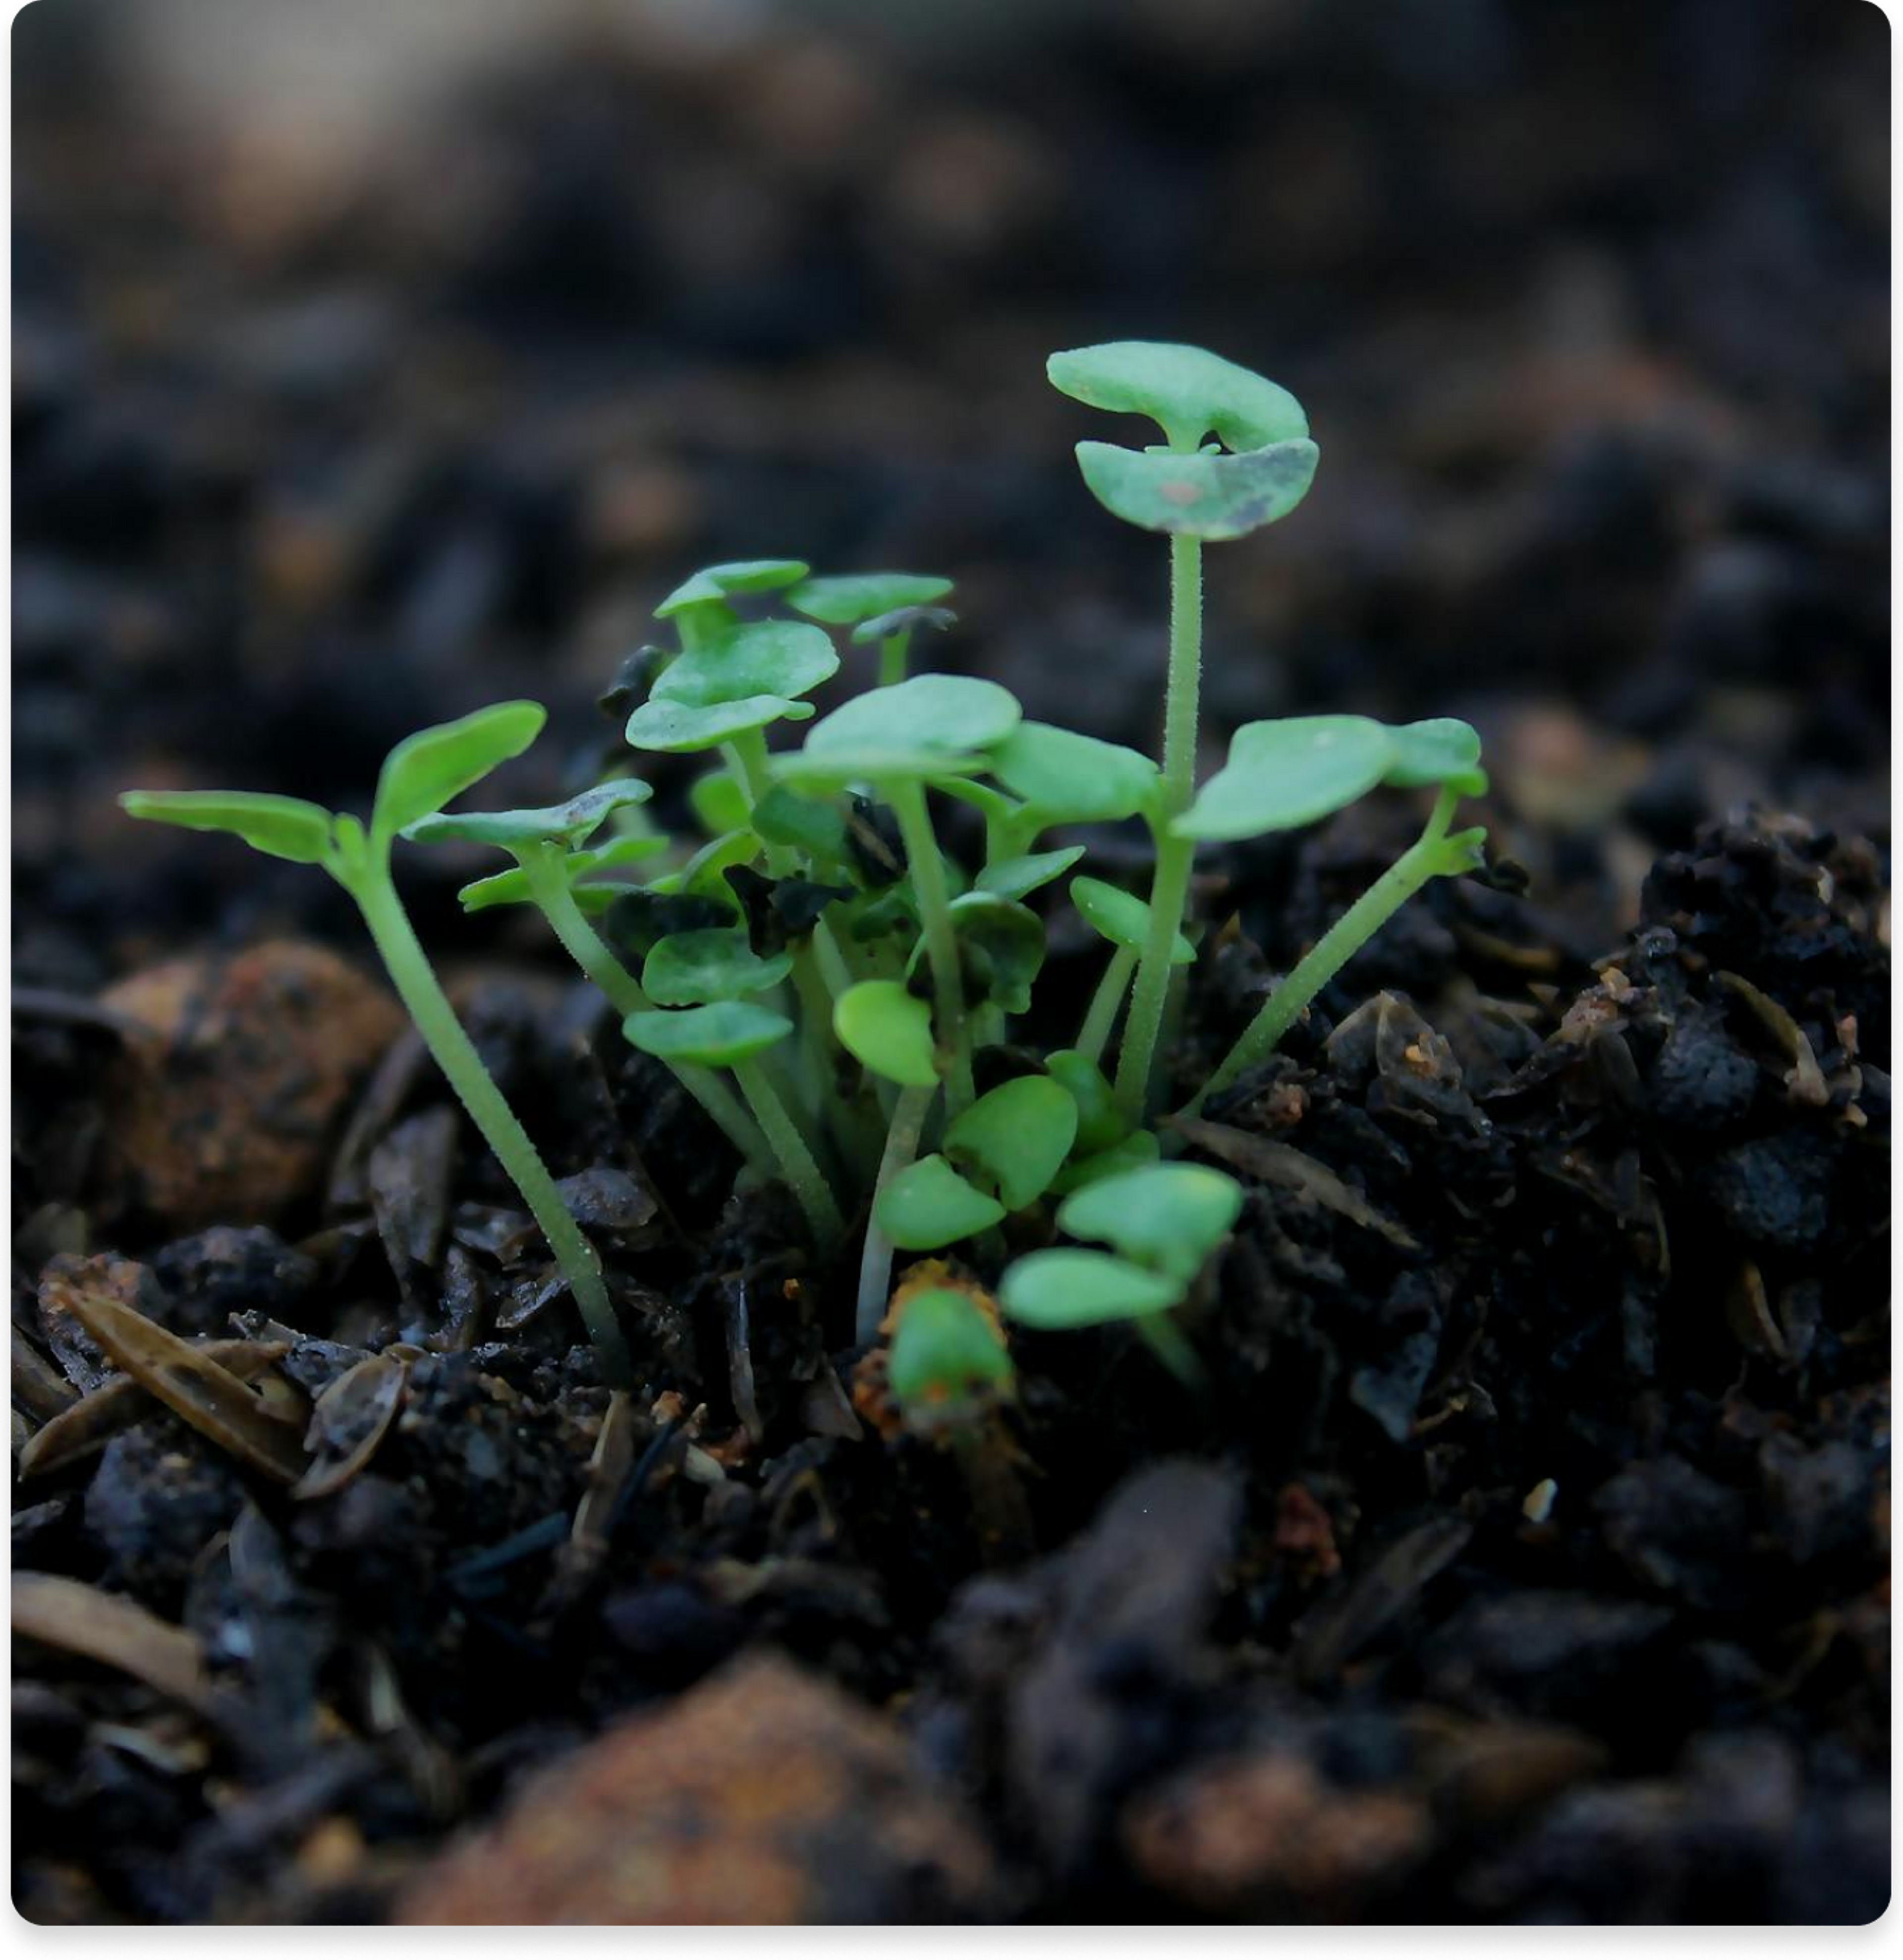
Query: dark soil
[{"x": 1527, "y": 1558}]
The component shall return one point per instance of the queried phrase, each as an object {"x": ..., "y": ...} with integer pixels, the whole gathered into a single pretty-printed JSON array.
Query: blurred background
[{"x": 377, "y": 358}]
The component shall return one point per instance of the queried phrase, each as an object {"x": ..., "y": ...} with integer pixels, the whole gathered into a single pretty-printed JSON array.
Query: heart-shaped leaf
[
  {"x": 780, "y": 657},
  {"x": 717, "y": 583},
  {"x": 1069, "y": 779},
  {"x": 1068, "y": 1287},
  {"x": 1187, "y": 391},
  {"x": 1099, "y": 1124},
  {"x": 689, "y": 968},
  {"x": 1432, "y": 752},
  {"x": 935, "y": 723},
  {"x": 1283, "y": 774},
  {"x": 435, "y": 766},
  {"x": 883, "y": 1025},
  {"x": 1014, "y": 1138},
  {"x": 1210, "y": 495},
  {"x": 1168, "y": 1217},
  {"x": 718, "y": 1036},
  {"x": 1018, "y": 877},
  {"x": 945, "y": 1350},
  {"x": 1123, "y": 919},
  {"x": 859, "y": 596},
  {"x": 928, "y": 1205},
  {"x": 279, "y": 826},
  {"x": 782, "y": 817},
  {"x": 570, "y": 823}
]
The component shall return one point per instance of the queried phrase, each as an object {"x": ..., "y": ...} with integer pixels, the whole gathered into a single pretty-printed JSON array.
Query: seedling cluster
[{"x": 820, "y": 974}]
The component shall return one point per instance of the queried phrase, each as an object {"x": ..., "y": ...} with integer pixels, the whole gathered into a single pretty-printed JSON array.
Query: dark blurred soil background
[{"x": 375, "y": 359}]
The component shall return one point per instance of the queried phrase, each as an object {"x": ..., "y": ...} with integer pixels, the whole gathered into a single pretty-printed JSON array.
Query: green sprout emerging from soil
[{"x": 830, "y": 984}]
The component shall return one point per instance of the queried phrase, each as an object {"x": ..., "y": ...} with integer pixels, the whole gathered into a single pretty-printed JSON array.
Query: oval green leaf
[
  {"x": 435, "y": 766},
  {"x": 783, "y": 816},
  {"x": 1211, "y": 496},
  {"x": 1016, "y": 1138},
  {"x": 782, "y": 657},
  {"x": 1442, "y": 750},
  {"x": 928, "y": 1205},
  {"x": 572, "y": 823},
  {"x": 1187, "y": 391},
  {"x": 1123, "y": 919},
  {"x": 672, "y": 728},
  {"x": 1070, "y": 779},
  {"x": 1068, "y": 1287},
  {"x": 887, "y": 1028},
  {"x": 1283, "y": 774},
  {"x": 718, "y": 582},
  {"x": 716, "y": 1036},
  {"x": 279, "y": 826},
  {"x": 1167, "y": 1216},
  {"x": 854, "y": 597},
  {"x": 932, "y": 723},
  {"x": 687, "y": 969},
  {"x": 719, "y": 802},
  {"x": 1139, "y": 1148}
]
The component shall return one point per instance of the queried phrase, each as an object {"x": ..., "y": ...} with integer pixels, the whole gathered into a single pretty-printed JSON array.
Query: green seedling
[
  {"x": 1163, "y": 1220},
  {"x": 1258, "y": 470},
  {"x": 946, "y": 1358},
  {"x": 883, "y": 609},
  {"x": 419, "y": 777},
  {"x": 699, "y": 606}
]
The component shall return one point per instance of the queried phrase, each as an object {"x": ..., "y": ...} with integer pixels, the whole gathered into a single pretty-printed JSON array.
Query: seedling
[
  {"x": 946, "y": 1358},
  {"x": 419, "y": 777},
  {"x": 819, "y": 974}
]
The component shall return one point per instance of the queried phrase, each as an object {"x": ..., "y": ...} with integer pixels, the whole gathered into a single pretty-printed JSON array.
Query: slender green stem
[
  {"x": 548, "y": 886},
  {"x": 875, "y": 1262},
  {"x": 429, "y": 1008},
  {"x": 797, "y": 1163},
  {"x": 893, "y": 650},
  {"x": 1433, "y": 854},
  {"x": 831, "y": 961},
  {"x": 746, "y": 756},
  {"x": 1095, "y": 1033},
  {"x": 1169, "y": 885},
  {"x": 928, "y": 887}
]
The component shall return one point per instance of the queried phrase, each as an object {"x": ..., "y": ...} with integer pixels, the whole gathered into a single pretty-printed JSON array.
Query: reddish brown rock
[
  {"x": 763, "y": 1797},
  {"x": 223, "y": 1112}
]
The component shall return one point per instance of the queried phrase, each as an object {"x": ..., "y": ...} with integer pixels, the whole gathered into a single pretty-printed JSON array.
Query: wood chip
[
  {"x": 118, "y": 1633},
  {"x": 1283, "y": 1165},
  {"x": 350, "y": 1421},
  {"x": 195, "y": 1388}
]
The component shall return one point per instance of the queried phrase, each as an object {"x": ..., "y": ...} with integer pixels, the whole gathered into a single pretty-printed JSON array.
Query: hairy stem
[
  {"x": 934, "y": 898},
  {"x": 796, "y": 1164},
  {"x": 1169, "y": 885},
  {"x": 1433, "y": 854},
  {"x": 429, "y": 1008},
  {"x": 1095, "y": 1033},
  {"x": 875, "y": 1262},
  {"x": 548, "y": 886}
]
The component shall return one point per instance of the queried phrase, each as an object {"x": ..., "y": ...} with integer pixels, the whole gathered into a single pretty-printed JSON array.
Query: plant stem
[
  {"x": 928, "y": 887},
  {"x": 429, "y": 1008},
  {"x": 548, "y": 886},
  {"x": 1170, "y": 884},
  {"x": 796, "y": 1163},
  {"x": 747, "y": 756},
  {"x": 875, "y": 1262},
  {"x": 1095, "y": 1033},
  {"x": 1433, "y": 854},
  {"x": 892, "y": 658}
]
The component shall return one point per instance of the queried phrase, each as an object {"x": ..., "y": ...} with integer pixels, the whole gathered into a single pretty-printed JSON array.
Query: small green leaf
[
  {"x": 1282, "y": 773},
  {"x": 1187, "y": 391},
  {"x": 435, "y": 766},
  {"x": 1018, "y": 877},
  {"x": 887, "y": 1028},
  {"x": 716, "y": 1036},
  {"x": 511, "y": 887},
  {"x": 928, "y": 1205},
  {"x": 572, "y": 823},
  {"x": 1016, "y": 1137},
  {"x": 1210, "y": 496},
  {"x": 672, "y": 728},
  {"x": 718, "y": 582},
  {"x": 1000, "y": 946},
  {"x": 779, "y": 656},
  {"x": 689, "y": 968},
  {"x": 1168, "y": 1216},
  {"x": 719, "y": 802},
  {"x": 1439, "y": 751},
  {"x": 1139, "y": 1148},
  {"x": 883, "y": 626},
  {"x": 1099, "y": 1124},
  {"x": 1068, "y": 1287},
  {"x": 1123, "y": 919},
  {"x": 704, "y": 874},
  {"x": 945, "y": 1350},
  {"x": 279, "y": 826},
  {"x": 932, "y": 724},
  {"x": 848, "y": 600},
  {"x": 1069, "y": 779},
  {"x": 783, "y": 816}
]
